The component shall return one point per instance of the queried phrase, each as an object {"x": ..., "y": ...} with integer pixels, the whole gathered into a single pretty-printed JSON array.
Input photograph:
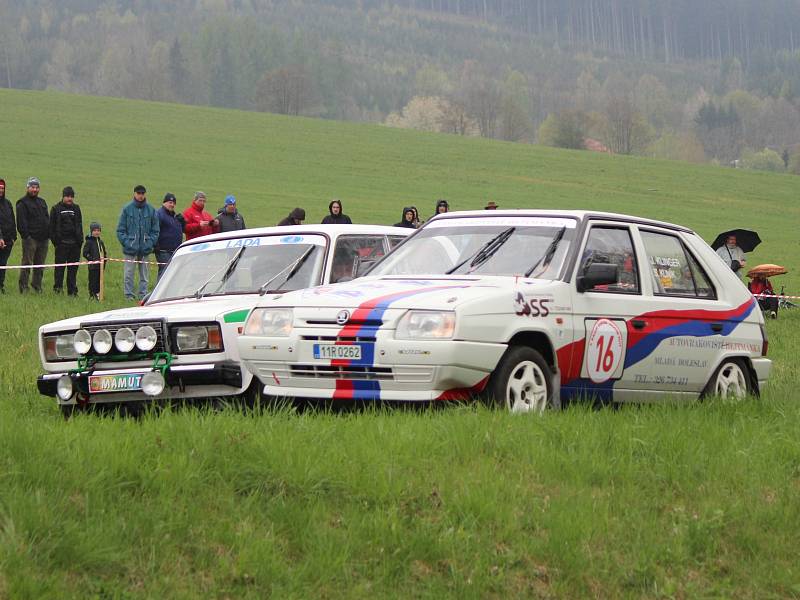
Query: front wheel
[
  {"x": 730, "y": 380},
  {"x": 522, "y": 382}
]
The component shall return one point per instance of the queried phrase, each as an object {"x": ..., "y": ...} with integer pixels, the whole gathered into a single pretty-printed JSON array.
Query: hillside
[{"x": 103, "y": 147}]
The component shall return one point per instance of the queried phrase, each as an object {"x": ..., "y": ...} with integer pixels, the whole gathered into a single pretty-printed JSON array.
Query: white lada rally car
[
  {"x": 527, "y": 308},
  {"x": 182, "y": 343}
]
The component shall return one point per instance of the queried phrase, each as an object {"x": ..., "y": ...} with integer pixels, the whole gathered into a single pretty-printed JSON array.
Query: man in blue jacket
[
  {"x": 170, "y": 233},
  {"x": 137, "y": 231}
]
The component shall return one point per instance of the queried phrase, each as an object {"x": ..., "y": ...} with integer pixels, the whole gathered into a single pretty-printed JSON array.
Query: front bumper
[{"x": 182, "y": 382}]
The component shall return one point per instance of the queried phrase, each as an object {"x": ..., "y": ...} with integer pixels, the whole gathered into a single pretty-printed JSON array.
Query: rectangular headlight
[
  {"x": 271, "y": 322},
  {"x": 426, "y": 325},
  {"x": 59, "y": 347},
  {"x": 197, "y": 338}
]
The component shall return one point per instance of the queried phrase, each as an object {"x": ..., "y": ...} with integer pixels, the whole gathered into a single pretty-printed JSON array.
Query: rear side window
[
  {"x": 614, "y": 246},
  {"x": 673, "y": 270}
]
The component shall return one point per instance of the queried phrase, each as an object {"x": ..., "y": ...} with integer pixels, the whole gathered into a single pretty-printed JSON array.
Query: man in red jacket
[{"x": 198, "y": 221}]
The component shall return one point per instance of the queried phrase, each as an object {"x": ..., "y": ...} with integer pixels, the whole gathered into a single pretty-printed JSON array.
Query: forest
[{"x": 712, "y": 81}]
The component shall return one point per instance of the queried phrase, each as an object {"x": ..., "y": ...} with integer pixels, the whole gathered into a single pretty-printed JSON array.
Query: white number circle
[{"x": 605, "y": 350}]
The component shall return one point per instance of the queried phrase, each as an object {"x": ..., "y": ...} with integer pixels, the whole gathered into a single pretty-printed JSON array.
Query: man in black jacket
[
  {"x": 336, "y": 215},
  {"x": 8, "y": 232},
  {"x": 33, "y": 225},
  {"x": 66, "y": 232}
]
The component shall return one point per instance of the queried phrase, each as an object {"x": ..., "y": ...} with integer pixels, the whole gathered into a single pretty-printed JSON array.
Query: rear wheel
[
  {"x": 522, "y": 382},
  {"x": 730, "y": 380}
]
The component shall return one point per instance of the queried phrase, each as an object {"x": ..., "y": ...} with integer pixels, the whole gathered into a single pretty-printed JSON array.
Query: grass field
[{"x": 670, "y": 501}]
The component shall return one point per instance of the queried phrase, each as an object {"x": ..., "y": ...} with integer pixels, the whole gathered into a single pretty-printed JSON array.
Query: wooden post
[{"x": 102, "y": 276}]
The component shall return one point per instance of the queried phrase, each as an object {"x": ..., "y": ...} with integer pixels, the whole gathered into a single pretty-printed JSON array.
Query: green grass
[{"x": 672, "y": 501}]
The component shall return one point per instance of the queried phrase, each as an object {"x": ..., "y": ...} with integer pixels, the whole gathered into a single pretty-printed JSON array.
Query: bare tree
[
  {"x": 481, "y": 97},
  {"x": 285, "y": 91}
]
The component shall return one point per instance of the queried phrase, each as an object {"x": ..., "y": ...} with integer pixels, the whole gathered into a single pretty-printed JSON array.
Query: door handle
[
  {"x": 638, "y": 324},
  {"x": 716, "y": 327}
]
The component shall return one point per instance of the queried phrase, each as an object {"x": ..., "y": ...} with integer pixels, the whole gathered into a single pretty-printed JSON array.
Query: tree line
[{"x": 631, "y": 74}]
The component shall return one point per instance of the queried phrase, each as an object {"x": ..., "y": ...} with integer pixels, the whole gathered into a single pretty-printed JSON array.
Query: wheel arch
[
  {"x": 743, "y": 359},
  {"x": 538, "y": 340}
]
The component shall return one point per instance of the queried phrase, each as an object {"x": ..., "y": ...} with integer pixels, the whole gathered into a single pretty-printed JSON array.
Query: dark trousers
[
  {"x": 67, "y": 253},
  {"x": 94, "y": 280},
  {"x": 768, "y": 304},
  {"x": 34, "y": 252},
  {"x": 4, "y": 254},
  {"x": 163, "y": 256}
]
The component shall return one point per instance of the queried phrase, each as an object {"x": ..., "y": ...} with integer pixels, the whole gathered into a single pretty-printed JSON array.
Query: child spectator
[{"x": 94, "y": 249}]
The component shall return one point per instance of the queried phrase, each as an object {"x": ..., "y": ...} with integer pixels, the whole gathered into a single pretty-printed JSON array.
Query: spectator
[
  {"x": 198, "y": 221},
  {"x": 296, "y": 217},
  {"x": 229, "y": 218},
  {"x": 336, "y": 216},
  {"x": 732, "y": 254},
  {"x": 8, "y": 232},
  {"x": 416, "y": 221},
  {"x": 491, "y": 205},
  {"x": 137, "y": 231},
  {"x": 441, "y": 207},
  {"x": 170, "y": 232},
  {"x": 407, "y": 218},
  {"x": 94, "y": 249},
  {"x": 66, "y": 233},
  {"x": 33, "y": 224},
  {"x": 769, "y": 301}
]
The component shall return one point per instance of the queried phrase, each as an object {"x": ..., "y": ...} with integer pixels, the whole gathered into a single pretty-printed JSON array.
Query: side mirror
[{"x": 597, "y": 274}]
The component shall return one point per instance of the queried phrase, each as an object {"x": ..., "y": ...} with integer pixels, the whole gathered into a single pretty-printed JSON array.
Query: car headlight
[
  {"x": 426, "y": 325},
  {"x": 273, "y": 322},
  {"x": 194, "y": 338},
  {"x": 59, "y": 347}
]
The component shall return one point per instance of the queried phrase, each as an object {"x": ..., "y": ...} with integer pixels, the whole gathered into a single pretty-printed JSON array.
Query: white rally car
[
  {"x": 182, "y": 343},
  {"x": 528, "y": 308}
]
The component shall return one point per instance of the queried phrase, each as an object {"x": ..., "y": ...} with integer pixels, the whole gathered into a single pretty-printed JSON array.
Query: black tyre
[
  {"x": 522, "y": 382},
  {"x": 730, "y": 380}
]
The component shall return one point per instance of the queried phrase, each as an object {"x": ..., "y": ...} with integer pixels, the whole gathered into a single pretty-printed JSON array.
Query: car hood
[
  {"x": 435, "y": 293},
  {"x": 227, "y": 308}
]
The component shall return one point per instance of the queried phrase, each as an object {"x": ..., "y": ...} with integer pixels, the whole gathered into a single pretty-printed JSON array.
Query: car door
[
  {"x": 602, "y": 314},
  {"x": 681, "y": 331}
]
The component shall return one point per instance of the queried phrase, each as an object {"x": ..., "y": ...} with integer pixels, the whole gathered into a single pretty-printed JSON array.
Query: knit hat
[
  {"x": 170, "y": 197},
  {"x": 94, "y": 225},
  {"x": 230, "y": 200},
  {"x": 32, "y": 181},
  {"x": 68, "y": 191}
]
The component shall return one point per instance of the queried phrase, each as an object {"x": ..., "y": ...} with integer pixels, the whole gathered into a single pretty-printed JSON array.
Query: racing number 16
[{"x": 604, "y": 350}]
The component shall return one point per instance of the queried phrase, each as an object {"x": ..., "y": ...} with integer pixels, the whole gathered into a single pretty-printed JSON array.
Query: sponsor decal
[
  {"x": 292, "y": 239},
  {"x": 247, "y": 242},
  {"x": 531, "y": 307},
  {"x": 122, "y": 382},
  {"x": 605, "y": 350},
  {"x": 238, "y": 316},
  {"x": 199, "y": 247}
]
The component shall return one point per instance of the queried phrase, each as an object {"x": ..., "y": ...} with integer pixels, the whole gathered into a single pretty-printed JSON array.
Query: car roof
[
  {"x": 581, "y": 215},
  {"x": 329, "y": 230}
]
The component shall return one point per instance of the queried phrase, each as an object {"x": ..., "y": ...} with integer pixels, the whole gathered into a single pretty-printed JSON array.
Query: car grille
[
  {"x": 338, "y": 338},
  {"x": 159, "y": 326}
]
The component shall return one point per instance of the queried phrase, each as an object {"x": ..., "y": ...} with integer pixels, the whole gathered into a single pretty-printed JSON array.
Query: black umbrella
[{"x": 746, "y": 240}]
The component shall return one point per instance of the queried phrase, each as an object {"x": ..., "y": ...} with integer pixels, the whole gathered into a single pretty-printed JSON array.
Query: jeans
[
  {"x": 34, "y": 252},
  {"x": 4, "y": 254},
  {"x": 144, "y": 276},
  {"x": 67, "y": 253},
  {"x": 163, "y": 256}
]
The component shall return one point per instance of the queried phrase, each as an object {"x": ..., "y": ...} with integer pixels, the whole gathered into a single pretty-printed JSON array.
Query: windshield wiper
[
  {"x": 485, "y": 252},
  {"x": 228, "y": 269},
  {"x": 548, "y": 254},
  {"x": 292, "y": 268}
]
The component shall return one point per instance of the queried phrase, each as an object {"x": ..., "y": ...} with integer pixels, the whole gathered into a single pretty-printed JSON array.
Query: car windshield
[
  {"x": 211, "y": 266},
  {"x": 533, "y": 246}
]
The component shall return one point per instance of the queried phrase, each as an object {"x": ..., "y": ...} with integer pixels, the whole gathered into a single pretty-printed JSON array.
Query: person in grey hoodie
[
  {"x": 8, "y": 232},
  {"x": 33, "y": 224}
]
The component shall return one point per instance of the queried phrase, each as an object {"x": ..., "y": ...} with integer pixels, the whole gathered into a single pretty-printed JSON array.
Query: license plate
[
  {"x": 341, "y": 351},
  {"x": 120, "y": 382}
]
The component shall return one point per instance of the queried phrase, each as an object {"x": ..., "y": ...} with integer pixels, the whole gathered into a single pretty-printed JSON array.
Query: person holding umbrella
[
  {"x": 762, "y": 289},
  {"x": 732, "y": 245}
]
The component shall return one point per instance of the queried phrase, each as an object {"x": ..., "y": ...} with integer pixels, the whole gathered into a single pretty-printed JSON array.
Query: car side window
[
  {"x": 613, "y": 245},
  {"x": 673, "y": 271},
  {"x": 353, "y": 250}
]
